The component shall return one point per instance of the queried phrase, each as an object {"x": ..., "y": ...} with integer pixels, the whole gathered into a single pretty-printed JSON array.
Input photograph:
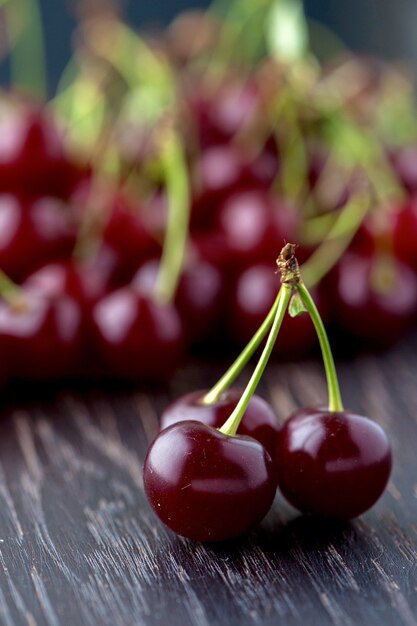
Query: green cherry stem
[
  {"x": 177, "y": 186},
  {"x": 232, "y": 423},
  {"x": 237, "y": 366},
  {"x": 27, "y": 54},
  {"x": 337, "y": 239},
  {"x": 335, "y": 399}
]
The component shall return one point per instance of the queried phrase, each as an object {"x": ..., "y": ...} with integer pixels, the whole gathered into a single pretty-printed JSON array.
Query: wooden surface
[{"x": 79, "y": 544}]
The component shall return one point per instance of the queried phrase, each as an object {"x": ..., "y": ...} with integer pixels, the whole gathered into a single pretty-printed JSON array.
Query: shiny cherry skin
[
  {"x": 224, "y": 112},
  {"x": 405, "y": 232},
  {"x": 379, "y": 317},
  {"x": 199, "y": 296},
  {"x": 259, "y": 421},
  {"x": 32, "y": 156},
  {"x": 333, "y": 464},
  {"x": 205, "y": 485},
  {"x": 135, "y": 338},
  {"x": 85, "y": 283},
  {"x": 33, "y": 233},
  {"x": 251, "y": 226},
  {"x": 252, "y": 295},
  {"x": 126, "y": 241},
  {"x": 42, "y": 337}
]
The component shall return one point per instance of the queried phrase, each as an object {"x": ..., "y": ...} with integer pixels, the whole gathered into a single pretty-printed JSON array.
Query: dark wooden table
[{"x": 79, "y": 544}]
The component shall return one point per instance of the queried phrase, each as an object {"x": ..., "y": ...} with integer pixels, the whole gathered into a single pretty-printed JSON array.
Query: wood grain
[{"x": 79, "y": 544}]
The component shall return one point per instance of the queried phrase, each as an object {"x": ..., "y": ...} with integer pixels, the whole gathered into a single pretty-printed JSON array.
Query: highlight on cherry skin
[
  {"x": 208, "y": 486},
  {"x": 259, "y": 420}
]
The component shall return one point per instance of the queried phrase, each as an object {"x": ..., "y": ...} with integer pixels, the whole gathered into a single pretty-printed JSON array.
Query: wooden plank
[{"x": 79, "y": 544}]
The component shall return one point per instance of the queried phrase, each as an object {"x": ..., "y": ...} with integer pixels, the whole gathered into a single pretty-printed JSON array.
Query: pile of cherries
[
  {"x": 212, "y": 472},
  {"x": 68, "y": 314}
]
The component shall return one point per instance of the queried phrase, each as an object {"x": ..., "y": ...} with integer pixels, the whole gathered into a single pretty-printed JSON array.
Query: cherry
[
  {"x": 41, "y": 338},
  {"x": 252, "y": 296},
  {"x": 251, "y": 226},
  {"x": 33, "y": 233},
  {"x": 205, "y": 485},
  {"x": 136, "y": 338},
  {"x": 126, "y": 241},
  {"x": 332, "y": 463},
  {"x": 229, "y": 109},
  {"x": 219, "y": 171},
  {"x": 258, "y": 422},
  {"x": 32, "y": 157},
  {"x": 85, "y": 283},
  {"x": 198, "y": 298},
  {"x": 377, "y": 313},
  {"x": 405, "y": 232}
]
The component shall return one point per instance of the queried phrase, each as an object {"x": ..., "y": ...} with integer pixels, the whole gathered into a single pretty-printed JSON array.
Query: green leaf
[
  {"x": 296, "y": 306},
  {"x": 287, "y": 31}
]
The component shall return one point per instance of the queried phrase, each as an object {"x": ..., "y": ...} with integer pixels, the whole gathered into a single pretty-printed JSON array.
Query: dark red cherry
[
  {"x": 251, "y": 226},
  {"x": 259, "y": 421},
  {"x": 32, "y": 157},
  {"x": 374, "y": 302},
  {"x": 205, "y": 485},
  {"x": 85, "y": 283},
  {"x": 199, "y": 296},
  {"x": 33, "y": 233},
  {"x": 219, "y": 171},
  {"x": 332, "y": 464},
  {"x": 136, "y": 338},
  {"x": 252, "y": 296},
  {"x": 405, "y": 232},
  {"x": 42, "y": 337},
  {"x": 126, "y": 241},
  {"x": 224, "y": 112}
]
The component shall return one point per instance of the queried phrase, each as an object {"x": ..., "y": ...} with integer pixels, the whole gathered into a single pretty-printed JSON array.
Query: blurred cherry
[
  {"x": 33, "y": 233},
  {"x": 135, "y": 338},
  {"x": 375, "y": 298}
]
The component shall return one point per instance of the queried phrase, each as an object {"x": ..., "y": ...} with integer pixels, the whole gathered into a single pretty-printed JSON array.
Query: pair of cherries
[{"x": 212, "y": 472}]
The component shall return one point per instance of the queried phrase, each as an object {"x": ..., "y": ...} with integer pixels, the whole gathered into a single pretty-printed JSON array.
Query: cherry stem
[
  {"x": 237, "y": 366},
  {"x": 335, "y": 399},
  {"x": 27, "y": 54},
  {"x": 337, "y": 239},
  {"x": 232, "y": 423},
  {"x": 176, "y": 234}
]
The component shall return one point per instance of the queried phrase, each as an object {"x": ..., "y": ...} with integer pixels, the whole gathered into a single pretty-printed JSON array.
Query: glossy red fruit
[
  {"x": 224, "y": 112},
  {"x": 126, "y": 241},
  {"x": 251, "y": 227},
  {"x": 32, "y": 157},
  {"x": 199, "y": 296},
  {"x": 41, "y": 338},
  {"x": 377, "y": 307},
  {"x": 224, "y": 170},
  {"x": 405, "y": 232},
  {"x": 332, "y": 464},
  {"x": 33, "y": 233},
  {"x": 205, "y": 485},
  {"x": 135, "y": 338},
  {"x": 259, "y": 422},
  {"x": 85, "y": 283},
  {"x": 252, "y": 296}
]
